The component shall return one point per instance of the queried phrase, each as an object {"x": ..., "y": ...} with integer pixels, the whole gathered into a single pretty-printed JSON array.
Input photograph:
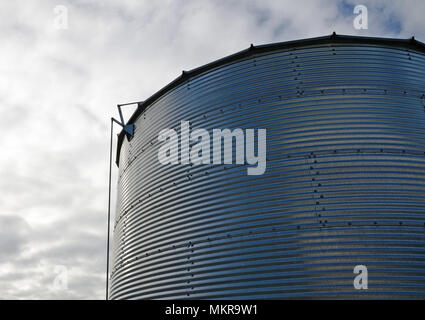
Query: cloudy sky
[{"x": 59, "y": 87}]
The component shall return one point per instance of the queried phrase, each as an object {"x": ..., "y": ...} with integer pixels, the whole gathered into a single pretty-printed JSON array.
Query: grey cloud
[{"x": 13, "y": 236}]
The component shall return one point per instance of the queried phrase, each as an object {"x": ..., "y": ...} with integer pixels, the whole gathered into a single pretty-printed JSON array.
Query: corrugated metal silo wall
[{"x": 344, "y": 184}]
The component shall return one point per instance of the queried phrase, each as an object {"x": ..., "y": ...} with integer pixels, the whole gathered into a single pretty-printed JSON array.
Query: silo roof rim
[{"x": 333, "y": 38}]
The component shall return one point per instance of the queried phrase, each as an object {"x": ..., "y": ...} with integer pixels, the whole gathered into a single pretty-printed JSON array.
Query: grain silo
[{"x": 344, "y": 183}]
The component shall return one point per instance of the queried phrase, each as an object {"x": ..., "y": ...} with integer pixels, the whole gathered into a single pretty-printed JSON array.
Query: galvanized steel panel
[{"x": 344, "y": 184}]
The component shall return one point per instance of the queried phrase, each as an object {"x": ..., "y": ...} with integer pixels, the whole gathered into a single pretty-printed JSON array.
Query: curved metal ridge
[
  {"x": 410, "y": 43},
  {"x": 344, "y": 184}
]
